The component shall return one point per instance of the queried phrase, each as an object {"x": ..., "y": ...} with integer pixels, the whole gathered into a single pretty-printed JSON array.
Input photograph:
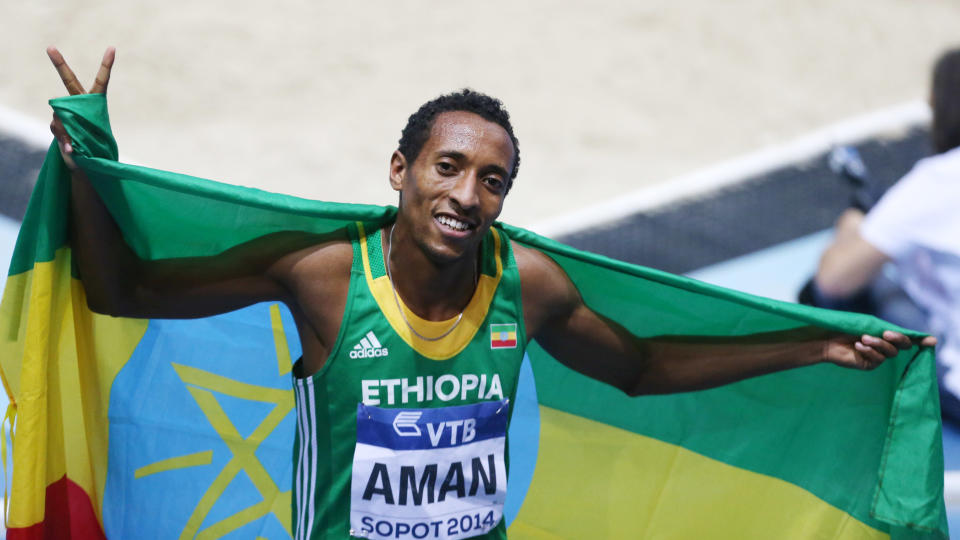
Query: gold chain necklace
[{"x": 397, "y": 298}]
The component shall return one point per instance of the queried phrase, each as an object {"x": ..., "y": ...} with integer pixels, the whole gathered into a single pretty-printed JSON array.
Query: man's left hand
[{"x": 868, "y": 352}]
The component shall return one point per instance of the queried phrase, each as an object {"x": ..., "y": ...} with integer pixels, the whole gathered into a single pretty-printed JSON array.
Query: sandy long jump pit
[{"x": 309, "y": 97}]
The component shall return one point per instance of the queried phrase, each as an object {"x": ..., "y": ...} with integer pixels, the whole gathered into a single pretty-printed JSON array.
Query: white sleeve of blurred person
[{"x": 918, "y": 216}]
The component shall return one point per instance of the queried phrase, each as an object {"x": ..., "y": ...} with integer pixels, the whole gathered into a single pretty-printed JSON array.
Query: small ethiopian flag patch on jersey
[{"x": 503, "y": 336}]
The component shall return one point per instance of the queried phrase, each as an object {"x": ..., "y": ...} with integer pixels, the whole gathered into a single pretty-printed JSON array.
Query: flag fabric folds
[{"x": 181, "y": 429}]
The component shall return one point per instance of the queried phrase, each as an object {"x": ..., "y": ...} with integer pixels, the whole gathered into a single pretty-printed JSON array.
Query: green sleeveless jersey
[{"x": 402, "y": 432}]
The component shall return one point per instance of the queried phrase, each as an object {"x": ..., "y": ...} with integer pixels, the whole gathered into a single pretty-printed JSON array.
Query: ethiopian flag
[
  {"x": 503, "y": 336},
  {"x": 184, "y": 429}
]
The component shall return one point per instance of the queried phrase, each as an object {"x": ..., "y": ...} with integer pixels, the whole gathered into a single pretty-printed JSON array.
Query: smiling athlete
[{"x": 413, "y": 334}]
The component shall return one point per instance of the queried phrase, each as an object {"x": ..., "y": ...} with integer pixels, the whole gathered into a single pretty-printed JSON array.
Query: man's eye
[
  {"x": 493, "y": 181},
  {"x": 444, "y": 167}
]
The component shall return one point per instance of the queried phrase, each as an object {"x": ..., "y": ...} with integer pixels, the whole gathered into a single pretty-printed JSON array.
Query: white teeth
[{"x": 453, "y": 223}]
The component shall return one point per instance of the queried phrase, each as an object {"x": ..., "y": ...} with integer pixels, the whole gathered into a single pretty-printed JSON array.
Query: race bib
[{"x": 429, "y": 473}]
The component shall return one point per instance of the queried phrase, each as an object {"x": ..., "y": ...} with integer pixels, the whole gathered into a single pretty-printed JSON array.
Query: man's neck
[{"x": 434, "y": 291}]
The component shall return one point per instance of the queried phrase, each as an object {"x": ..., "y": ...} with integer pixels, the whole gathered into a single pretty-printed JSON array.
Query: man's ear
[{"x": 398, "y": 169}]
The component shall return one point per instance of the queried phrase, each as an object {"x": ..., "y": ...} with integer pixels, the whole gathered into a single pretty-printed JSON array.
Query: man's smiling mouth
[{"x": 453, "y": 223}]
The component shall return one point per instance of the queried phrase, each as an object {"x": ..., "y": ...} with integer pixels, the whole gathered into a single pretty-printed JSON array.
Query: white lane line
[
  {"x": 25, "y": 128},
  {"x": 730, "y": 172},
  {"x": 33, "y": 132}
]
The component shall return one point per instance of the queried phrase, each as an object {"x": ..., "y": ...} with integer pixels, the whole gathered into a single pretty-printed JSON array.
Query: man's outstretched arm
[{"x": 602, "y": 349}]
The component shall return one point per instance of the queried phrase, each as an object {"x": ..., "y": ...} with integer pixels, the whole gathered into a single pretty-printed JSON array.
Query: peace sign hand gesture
[{"x": 74, "y": 87}]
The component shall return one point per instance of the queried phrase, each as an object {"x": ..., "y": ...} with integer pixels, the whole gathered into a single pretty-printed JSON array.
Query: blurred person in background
[{"x": 916, "y": 227}]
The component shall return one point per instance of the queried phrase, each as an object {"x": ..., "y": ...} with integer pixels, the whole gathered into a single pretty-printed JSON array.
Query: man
[
  {"x": 914, "y": 226},
  {"x": 396, "y": 318}
]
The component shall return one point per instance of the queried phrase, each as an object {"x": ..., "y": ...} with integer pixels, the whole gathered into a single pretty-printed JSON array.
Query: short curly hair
[{"x": 420, "y": 123}]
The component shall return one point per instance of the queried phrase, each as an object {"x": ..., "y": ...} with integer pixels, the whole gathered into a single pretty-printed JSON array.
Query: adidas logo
[{"x": 368, "y": 347}]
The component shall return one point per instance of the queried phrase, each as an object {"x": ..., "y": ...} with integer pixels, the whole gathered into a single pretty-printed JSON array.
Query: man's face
[{"x": 454, "y": 190}]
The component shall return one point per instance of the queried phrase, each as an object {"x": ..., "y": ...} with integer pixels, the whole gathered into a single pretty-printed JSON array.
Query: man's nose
[{"x": 464, "y": 192}]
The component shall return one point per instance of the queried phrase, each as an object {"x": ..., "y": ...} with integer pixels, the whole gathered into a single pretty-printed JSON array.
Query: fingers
[
  {"x": 56, "y": 127},
  {"x": 869, "y": 351},
  {"x": 888, "y": 348},
  {"x": 876, "y": 350},
  {"x": 103, "y": 74},
  {"x": 871, "y": 356},
  {"x": 901, "y": 341},
  {"x": 63, "y": 142},
  {"x": 70, "y": 81},
  {"x": 66, "y": 154}
]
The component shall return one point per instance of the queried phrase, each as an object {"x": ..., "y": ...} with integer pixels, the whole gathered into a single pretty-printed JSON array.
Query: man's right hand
[{"x": 74, "y": 87}]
